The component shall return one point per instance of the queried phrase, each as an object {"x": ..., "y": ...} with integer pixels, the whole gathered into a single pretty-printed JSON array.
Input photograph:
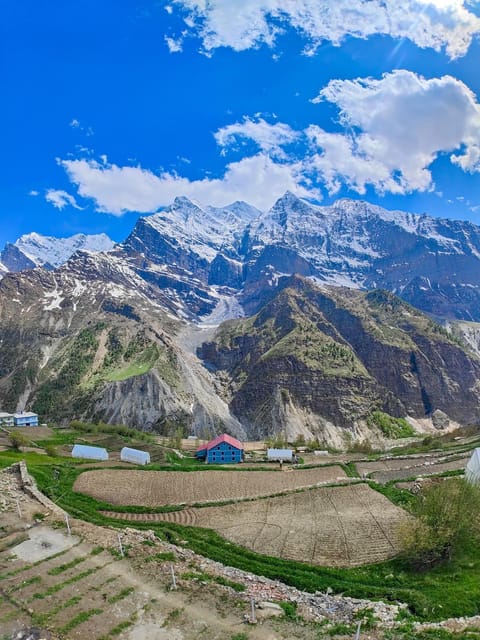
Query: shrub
[
  {"x": 17, "y": 440},
  {"x": 446, "y": 522},
  {"x": 390, "y": 427}
]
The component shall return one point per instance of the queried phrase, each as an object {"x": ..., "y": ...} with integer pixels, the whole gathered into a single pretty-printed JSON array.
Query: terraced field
[
  {"x": 81, "y": 593},
  {"x": 399, "y": 468},
  {"x": 155, "y": 488},
  {"x": 337, "y": 526}
]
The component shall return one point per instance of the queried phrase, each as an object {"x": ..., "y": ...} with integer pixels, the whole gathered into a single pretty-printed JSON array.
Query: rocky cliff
[{"x": 336, "y": 355}]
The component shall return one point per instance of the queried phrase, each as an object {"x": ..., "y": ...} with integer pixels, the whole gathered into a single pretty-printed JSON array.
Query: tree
[
  {"x": 17, "y": 440},
  {"x": 446, "y": 521}
]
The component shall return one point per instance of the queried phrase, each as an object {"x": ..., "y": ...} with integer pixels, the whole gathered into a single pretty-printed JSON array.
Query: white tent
[
  {"x": 472, "y": 470},
  {"x": 134, "y": 455},
  {"x": 279, "y": 455},
  {"x": 92, "y": 453}
]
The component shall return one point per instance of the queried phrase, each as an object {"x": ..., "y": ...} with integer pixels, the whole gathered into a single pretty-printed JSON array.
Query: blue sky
[{"x": 111, "y": 109}]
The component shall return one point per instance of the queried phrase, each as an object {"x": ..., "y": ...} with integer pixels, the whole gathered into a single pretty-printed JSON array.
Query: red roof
[{"x": 218, "y": 440}]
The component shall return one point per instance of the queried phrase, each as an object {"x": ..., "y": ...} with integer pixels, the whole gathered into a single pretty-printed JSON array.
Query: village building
[
  {"x": 6, "y": 419},
  {"x": 222, "y": 449},
  {"x": 25, "y": 419}
]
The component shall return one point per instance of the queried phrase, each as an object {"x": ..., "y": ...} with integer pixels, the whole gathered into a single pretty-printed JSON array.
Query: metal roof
[{"x": 218, "y": 440}]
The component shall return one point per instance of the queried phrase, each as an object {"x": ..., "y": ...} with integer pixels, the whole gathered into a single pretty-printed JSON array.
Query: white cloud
[
  {"x": 76, "y": 124},
  {"x": 244, "y": 24},
  {"x": 174, "y": 45},
  {"x": 257, "y": 179},
  {"x": 396, "y": 127},
  {"x": 61, "y": 199},
  {"x": 269, "y": 137},
  {"x": 33, "y": 192}
]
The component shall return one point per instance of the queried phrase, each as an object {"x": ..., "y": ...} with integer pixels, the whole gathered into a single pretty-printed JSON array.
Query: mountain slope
[
  {"x": 93, "y": 348},
  {"x": 329, "y": 357}
]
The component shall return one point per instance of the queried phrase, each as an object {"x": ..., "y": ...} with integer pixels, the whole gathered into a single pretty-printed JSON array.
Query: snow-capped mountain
[
  {"x": 190, "y": 258},
  {"x": 35, "y": 250},
  {"x": 191, "y": 251}
]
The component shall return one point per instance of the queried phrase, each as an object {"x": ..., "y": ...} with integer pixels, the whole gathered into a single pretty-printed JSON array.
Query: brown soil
[
  {"x": 335, "y": 526},
  {"x": 153, "y": 488}
]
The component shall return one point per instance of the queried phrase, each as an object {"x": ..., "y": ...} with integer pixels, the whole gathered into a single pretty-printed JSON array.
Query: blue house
[
  {"x": 221, "y": 450},
  {"x": 25, "y": 419}
]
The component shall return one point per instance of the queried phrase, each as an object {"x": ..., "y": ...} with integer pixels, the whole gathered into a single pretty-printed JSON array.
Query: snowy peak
[
  {"x": 55, "y": 251},
  {"x": 35, "y": 250}
]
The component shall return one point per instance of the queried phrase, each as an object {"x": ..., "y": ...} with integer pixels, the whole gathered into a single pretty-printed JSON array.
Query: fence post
[
  {"x": 120, "y": 545},
  {"x": 359, "y": 626}
]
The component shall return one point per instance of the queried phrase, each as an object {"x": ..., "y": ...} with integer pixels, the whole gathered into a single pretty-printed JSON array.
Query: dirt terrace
[{"x": 155, "y": 488}]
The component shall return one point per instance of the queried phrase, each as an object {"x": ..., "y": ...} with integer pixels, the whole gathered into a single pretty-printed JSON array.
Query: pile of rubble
[{"x": 10, "y": 489}]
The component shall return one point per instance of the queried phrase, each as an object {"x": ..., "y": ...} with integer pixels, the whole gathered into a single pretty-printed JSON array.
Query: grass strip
[
  {"x": 124, "y": 593},
  {"x": 59, "y": 586},
  {"x": 55, "y": 571},
  {"x": 83, "y": 616}
]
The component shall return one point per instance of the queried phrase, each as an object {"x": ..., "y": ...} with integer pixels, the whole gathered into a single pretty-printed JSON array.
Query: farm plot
[
  {"x": 335, "y": 526},
  {"x": 429, "y": 469},
  {"x": 155, "y": 488},
  {"x": 81, "y": 593},
  {"x": 392, "y": 464}
]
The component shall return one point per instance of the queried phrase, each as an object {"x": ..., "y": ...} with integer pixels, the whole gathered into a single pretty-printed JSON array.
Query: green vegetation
[
  {"x": 17, "y": 440},
  {"x": 390, "y": 427},
  {"x": 124, "y": 593},
  {"x": 447, "y": 590},
  {"x": 119, "y": 628},
  {"x": 61, "y": 585},
  {"x": 201, "y": 576},
  {"x": 83, "y": 616},
  {"x": 447, "y": 523},
  {"x": 42, "y": 618},
  {"x": 290, "y": 610},
  {"x": 60, "y": 394},
  {"x": 55, "y": 571}
]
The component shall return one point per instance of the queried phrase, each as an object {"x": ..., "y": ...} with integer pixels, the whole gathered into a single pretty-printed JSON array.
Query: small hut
[
  {"x": 88, "y": 452},
  {"x": 135, "y": 456}
]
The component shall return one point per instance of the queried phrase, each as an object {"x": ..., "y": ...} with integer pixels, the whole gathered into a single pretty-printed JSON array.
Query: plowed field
[
  {"x": 155, "y": 488},
  {"x": 335, "y": 526}
]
